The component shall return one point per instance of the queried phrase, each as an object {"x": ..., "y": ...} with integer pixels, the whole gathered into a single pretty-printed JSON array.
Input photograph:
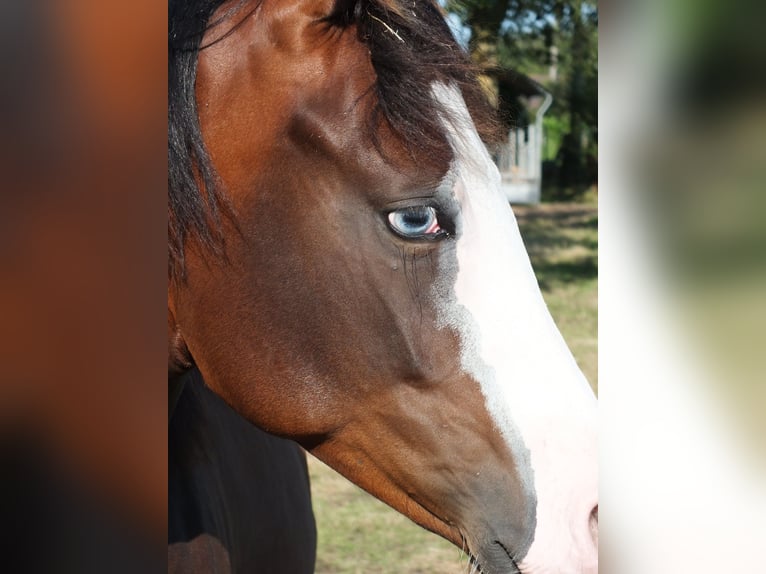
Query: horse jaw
[{"x": 533, "y": 388}]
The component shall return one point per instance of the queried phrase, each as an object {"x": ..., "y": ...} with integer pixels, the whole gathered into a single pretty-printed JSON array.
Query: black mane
[{"x": 410, "y": 47}]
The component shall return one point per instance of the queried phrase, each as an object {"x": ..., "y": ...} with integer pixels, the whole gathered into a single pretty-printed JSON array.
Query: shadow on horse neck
[{"x": 345, "y": 273}]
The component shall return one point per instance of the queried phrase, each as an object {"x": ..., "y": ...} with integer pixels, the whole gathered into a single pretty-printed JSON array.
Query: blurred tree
[{"x": 554, "y": 42}]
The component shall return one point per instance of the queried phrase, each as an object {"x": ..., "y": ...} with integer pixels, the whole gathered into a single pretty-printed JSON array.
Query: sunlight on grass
[{"x": 358, "y": 534}]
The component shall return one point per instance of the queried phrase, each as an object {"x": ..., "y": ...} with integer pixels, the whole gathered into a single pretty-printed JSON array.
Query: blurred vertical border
[
  {"x": 682, "y": 306},
  {"x": 83, "y": 439}
]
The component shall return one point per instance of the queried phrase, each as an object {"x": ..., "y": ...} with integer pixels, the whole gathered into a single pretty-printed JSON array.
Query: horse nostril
[{"x": 593, "y": 523}]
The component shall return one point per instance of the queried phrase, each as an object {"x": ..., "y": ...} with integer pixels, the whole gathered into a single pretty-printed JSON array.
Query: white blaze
[{"x": 534, "y": 389}]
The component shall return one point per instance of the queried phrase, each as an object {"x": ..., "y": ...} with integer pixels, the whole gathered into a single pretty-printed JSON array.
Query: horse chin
[
  {"x": 495, "y": 558},
  {"x": 492, "y": 556}
]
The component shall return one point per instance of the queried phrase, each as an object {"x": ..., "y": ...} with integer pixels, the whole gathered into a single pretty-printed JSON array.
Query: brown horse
[{"x": 345, "y": 273}]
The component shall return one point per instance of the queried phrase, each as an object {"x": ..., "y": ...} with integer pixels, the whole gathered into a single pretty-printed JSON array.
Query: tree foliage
[{"x": 554, "y": 42}]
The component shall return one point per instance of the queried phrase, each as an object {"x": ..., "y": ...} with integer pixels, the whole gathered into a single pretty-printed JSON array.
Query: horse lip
[
  {"x": 502, "y": 562},
  {"x": 511, "y": 567},
  {"x": 508, "y": 553}
]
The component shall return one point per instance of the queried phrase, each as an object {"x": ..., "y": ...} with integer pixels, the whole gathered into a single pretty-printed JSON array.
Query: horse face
[{"x": 380, "y": 308}]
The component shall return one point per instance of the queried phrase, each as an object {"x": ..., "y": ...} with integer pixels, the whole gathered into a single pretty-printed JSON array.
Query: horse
[
  {"x": 238, "y": 498},
  {"x": 345, "y": 273}
]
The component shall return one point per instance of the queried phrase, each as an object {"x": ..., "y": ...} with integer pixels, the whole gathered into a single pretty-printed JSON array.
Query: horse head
[{"x": 367, "y": 292}]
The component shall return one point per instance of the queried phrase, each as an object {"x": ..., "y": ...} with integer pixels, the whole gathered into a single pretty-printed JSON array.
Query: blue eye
[{"x": 415, "y": 222}]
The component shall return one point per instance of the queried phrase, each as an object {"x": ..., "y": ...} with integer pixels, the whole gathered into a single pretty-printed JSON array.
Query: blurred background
[
  {"x": 83, "y": 286},
  {"x": 674, "y": 154},
  {"x": 682, "y": 306}
]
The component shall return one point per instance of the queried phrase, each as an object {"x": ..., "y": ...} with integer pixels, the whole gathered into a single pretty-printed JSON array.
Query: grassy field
[{"x": 360, "y": 535}]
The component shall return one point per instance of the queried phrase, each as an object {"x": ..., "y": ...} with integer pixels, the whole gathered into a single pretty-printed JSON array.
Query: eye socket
[{"x": 416, "y": 222}]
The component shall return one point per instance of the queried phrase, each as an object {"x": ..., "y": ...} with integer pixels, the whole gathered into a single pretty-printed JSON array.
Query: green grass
[{"x": 360, "y": 535}]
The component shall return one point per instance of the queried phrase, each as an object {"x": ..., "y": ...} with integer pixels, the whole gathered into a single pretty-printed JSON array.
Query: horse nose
[
  {"x": 582, "y": 557},
  {"x": 586, "y": 543},
  {"x": 589, "y": 552},
  {"x": 566, "y": 480},
  {"x": 593, "y": 523},
  {"x": 586, "y": 540}
]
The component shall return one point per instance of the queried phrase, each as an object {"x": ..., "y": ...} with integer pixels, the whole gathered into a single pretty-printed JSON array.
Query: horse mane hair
[{"x": 410, "y": 47}]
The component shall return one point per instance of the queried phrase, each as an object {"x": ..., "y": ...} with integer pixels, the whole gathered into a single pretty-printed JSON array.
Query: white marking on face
[{"x": 533, "y": 388}]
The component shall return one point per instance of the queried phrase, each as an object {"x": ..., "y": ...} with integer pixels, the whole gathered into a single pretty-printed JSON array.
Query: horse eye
[{"x": 416, "y": 222}]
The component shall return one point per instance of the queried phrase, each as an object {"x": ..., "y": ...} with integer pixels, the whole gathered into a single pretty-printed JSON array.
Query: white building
[{"x": 520, "y": 158}]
